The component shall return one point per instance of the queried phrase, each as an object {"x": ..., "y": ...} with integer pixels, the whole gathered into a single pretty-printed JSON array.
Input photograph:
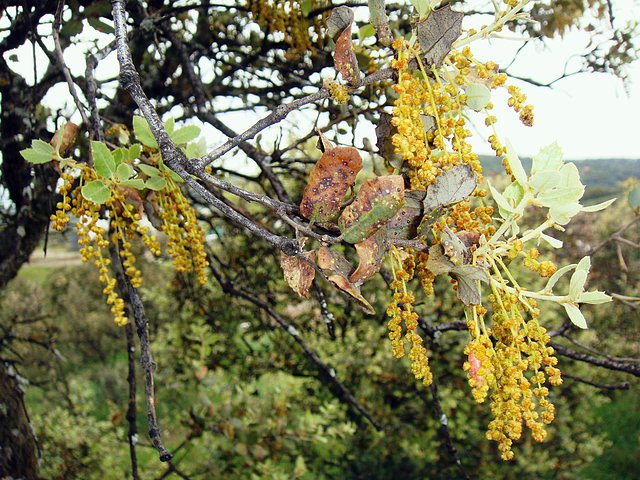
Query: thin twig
[
  {"x": 603, "y": 386},
  {"x": 326, "y": 372},
  {"x": 131, "y": 407},
  {"x": 132, "y": 298},
  {"x": 65, "y": 70},
  {"x": 633, "y": 369}
]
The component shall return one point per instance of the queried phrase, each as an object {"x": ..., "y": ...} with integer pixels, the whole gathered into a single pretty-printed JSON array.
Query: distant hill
[{"x": 602, "y": 177}]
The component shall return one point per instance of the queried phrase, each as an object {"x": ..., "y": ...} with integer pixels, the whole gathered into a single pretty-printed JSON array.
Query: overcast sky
[{"x": 590, "y": 115}]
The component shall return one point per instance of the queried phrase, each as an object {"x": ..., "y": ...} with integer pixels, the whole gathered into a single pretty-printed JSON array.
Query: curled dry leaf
[
  {"x": 344, "y": 58},
  {"x": 339, "y": 19},
  {"x": 371, "y": 252},
  {"x": 328, "y": 183},
  {"x": 384, "y": 132},
  {"x": 380, "y": 21},
  {"x": 340, "y": 268},
  {"x": 437, "y": 33},
  {"x": 378, "y": 201},
  {"x": 298, "y": 273},
  {"x": 69, "y": 132}
]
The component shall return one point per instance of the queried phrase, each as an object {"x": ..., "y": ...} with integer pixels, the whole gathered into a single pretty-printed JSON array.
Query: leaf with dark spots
[
  {"x": 340, "y": 18},
  {"x": 468, "y": 277},
  {"x": 404, "y": 224},
  {"x": 328, "y": 183},
  {"x": 344, "y": 58},
  {"x": 378, "y": 200},
  {"x": 454, "y": 248},
  {"x": 453, "y": 186},
  {"x": 384, "y": 132},
  {"x": 298, "y": 273},
  {"x": 340, "y": 269},
  {"x": 371, "y": 252},
  {"x": 437, "y": 33}
]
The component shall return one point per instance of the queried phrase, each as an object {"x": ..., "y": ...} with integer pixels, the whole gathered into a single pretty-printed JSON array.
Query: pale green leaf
[
  {"x": 593, "y": 298},
  {"x": 478, "y": 95},
  {"x": 421, "y": 6},
  {"x": 598, "y": 206},
  {"x": 365, "y": 31},
  {"x": 196, "y": 149},
  {"x": 119, "y": 155},
  {"x": 148, "y": 170},
  {"x": 563, "y": 213},
  {"x": 42, "y": 146},
  {"x": 155, "y": 183},
  {"x": 124, "y": 171},
  {"x": 515, "y": 164},
  {"x": 575, "y": 315},
  {"x": 143, "y": 132},
  {"x": 556, "y": 276},
  {"x": 548, "y": 159},
  {"x": 134, "y": 151},
  {"x": 504, "y": 207},
  {"x": 554, "y": 242},
  {"x": 34, "y": 156},
  {"x": 96, "y": 191},
  {"x": 169, "y": 125},
  {"x": 576, "y": 285},
  {"x": 103, "y": 160},
  {"x": 134, "y": 183},
  {"x": 185, "y": 134},
  {"x": 172, "y": 174}
]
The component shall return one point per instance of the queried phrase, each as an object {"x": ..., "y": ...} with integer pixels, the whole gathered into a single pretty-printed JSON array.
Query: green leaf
[
  {"x": 148, "y": 170},
  {"x": 120, "y": 155},
  {"x": 377, "y": 201},
  {"x": 478, "y": 96},
  {"x": 169, "y": 125},
  {"x": 556, "y": 276},
  {"x": 185, "y": 134},
  {"x": 134, "y": 151},
  {"x": 305, "y": 7},
  {"x": 103, "y": 160},
  {"x": 365, "y": 31},
  {"x": 593, "y": 298},
  {"x": 196, "y": 149},
  {"x": 634, "y": 198},
  {"x": 36, "y": 157},
  {"x": 135, "y": 183},
  {"x": 469, "y": 278},
  {"x": 554, "y": 242},
  {"x": 516, "y": 165},
  {"x": 575, "y": 315},
  {"x": 548, "y": 159},
  {"x": 42, "y": 147},
  {"x": 96, "y": 192},
  {"x": 598, "y": 206},
  {"x": 100, "y": 25},
  {"x": 562, "y": 213},
  {"x": 504, "y": 207},
  {"x": 156, "y": 183},
  {"x": 71, "y": 28},
  {"x": 124, "y": 172},
  {"x": 421, "y": 6},
  {"x": 174, "y": 176},
  {"x": 142, "y": 132}
]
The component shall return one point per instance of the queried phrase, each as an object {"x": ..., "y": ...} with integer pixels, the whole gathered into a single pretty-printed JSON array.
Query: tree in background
[{"x": 417, "y": 220}]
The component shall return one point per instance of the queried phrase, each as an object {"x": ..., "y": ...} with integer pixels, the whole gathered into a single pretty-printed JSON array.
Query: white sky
[{"x": 590, "y": 115}]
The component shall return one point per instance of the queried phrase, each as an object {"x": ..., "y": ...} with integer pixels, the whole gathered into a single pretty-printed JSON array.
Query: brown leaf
[
  {"x": 437, "y": 33},
  {"x": 438, "y": 263},
  {"x": 344, "y": 58},
  {"x": 384, "y": 132},
  {"x": 298, "y": 273},
  {"x": 469, "y": 290},
  {"x": 69, "y": 132},
  {"x": 152, "y": 210},
  {"x": 340, "y": 267},
  {"x": 371, "y": 252},
  {"x": 379, "y": 19},
  {"x": 340, "y": 18},
  {"x": 329, "y": 181},
  {"x": 378, "y": 201}
]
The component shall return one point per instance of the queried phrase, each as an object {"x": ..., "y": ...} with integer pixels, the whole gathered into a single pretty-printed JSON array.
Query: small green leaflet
[
  {"x": 634, "y": 199},
  {"x": 478, "y": 96},
  {"x": 143, "y": 132},
  {"x": 103, "y": 160},
  {"x": 40, "y": 152},
  {"x": 124, "y": 172},
  {"x": 156, "y": 183},
  {"x": 185, "y": 134},
  {"x": 134, "y": 151},
  {"x": 169, "y": 125},
  {"x": 96, "y": 192},
  {"x": 196, "y": 149},
  {"x": 136, "y": 183},
  {"x": 149, "y": 170}
]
